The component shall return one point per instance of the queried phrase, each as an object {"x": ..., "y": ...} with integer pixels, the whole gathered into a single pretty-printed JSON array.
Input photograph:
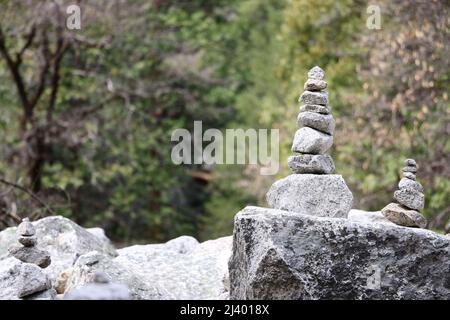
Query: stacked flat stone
[
  {"x": 313, "y": 188},
  {"x": 410, "y": 198},
  {"x": 316, "y": 125},
  {"x": 27, "y": 251}
]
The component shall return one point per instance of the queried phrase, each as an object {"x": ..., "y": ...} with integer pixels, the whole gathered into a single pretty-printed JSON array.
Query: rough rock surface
[
  {"x": 63, "y": 239},
  {"x": 368, "y": 217},
  {"x": 88, "y": 264},
  {"x": 179, "y": 269},
  {"x": 403, "y": 216},
  {"x": 318, "y": 195},
  {"x": 18, "y": 279},
  {"x": 410, "y": 198},
  {"x": 316, "y": 73},
  {"x": 311, "y": 163},
  {"x": 284, "y": 255},
  {"x": 307, "y": 140},
  {"x": 321, "y": 122}
]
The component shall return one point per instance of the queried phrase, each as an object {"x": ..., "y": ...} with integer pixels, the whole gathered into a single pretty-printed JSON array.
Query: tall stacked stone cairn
[
  {"x": 410, "y": 198},
  {"x": 313, "y": 188},
  {"x": 35, "y": 284}
]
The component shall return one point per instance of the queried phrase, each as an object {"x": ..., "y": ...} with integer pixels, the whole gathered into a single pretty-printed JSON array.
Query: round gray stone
[
  {"x": 312, "y": 97},
  {"x": 321, "y": 122},
  {"x": 409, "y": 175},
  {"x": 317, "y": 195},
  {"x": 311, "y": 141},
  {"x": 411, "y": 169},
  {"x": 315, "y": 108},
  {"x": 406, "y": 183},
  {"x": 410, "y": 198},
  {"x": 316, "y": 73},
  {"x": 25, "y": 228},
  {"x": 410, "y": 162}
]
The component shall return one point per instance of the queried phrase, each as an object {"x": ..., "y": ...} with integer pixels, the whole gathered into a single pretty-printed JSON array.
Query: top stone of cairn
[
  {"x": 26, "y": 228},
  {"x": 316, "y": 73}
]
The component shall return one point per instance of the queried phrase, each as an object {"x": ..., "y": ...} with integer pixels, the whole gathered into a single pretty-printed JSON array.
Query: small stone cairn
[
  {"x": 34, "y": 284},
  {"x": 27, "y": 251},
  {"x": 410, "y": 198},
  {"x": 316, "y": 123}
]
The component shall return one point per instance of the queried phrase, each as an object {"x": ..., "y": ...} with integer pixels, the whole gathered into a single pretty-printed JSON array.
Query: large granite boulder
[
  {"x": 314, "y": 194},
  {"x": 182, "y": 268},
  {"x": 63, "y": 239},
  {"x": 286, "y": 255}
]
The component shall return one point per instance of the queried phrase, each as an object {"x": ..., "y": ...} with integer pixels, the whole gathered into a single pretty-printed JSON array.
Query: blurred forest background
[{"x": 86, "y": 115}]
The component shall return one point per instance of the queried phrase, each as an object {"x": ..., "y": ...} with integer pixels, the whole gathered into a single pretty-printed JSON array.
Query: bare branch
[{"x": 30, "y": 193}]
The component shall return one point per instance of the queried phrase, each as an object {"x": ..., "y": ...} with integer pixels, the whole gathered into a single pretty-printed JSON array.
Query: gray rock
[
  {"x": 89, "y": 264},
  {"x": 27, "y": 241},
  {"x": 411, "y": 169},
  {"x": 410, "y": 162},
  {"x": 31, "y": 255},
  {"x": 63, "y": 239},
  {"x": 99, "y": 291},
  {"x": 284, "y": 255},
  {"x": 315, "y": 85},
  {"x": 321, "y": 122},
  {"x": 370, "y": 217},
  {"x": 49, "y": 294},
  {"x": 410, "y": 198},
  {"x": 315, "y": 108},
  {"x": 25, "y": 228},
  {"x": 409, "y": 175},
  {"x": 403, "y": 216},
  {"x": 179, "y": 269},
  {"x": 318, "y": 195},
  {"x": 311, "y": 163},
  {"x": 313, "y": 97},
  {"x": 32, "y": 280},
  {"x": 406, "y": 183},
  {"x": 10, "y": 278},
  {"x": 307, "y": 140},
  {"x": 316, "y": 73}
]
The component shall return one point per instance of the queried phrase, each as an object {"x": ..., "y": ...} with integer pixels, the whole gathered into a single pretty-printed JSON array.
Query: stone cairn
[
  {"x": 27, "y": 251},
  {"x": 313, "y": 188},
  {"x": 410, "y": 198},
  {"x": 35, "y": 283},
  {"x": 316, "y": 123}
]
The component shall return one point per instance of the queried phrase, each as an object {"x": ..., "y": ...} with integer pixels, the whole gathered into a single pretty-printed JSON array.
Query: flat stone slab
[
  {"x": 321, "y": 122},
  {"x": 403, "y": 216},
  {"x": 311, "y": 163},
  {"x": 313, "y": 194},
  {"x": 284, "y": 255}
]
